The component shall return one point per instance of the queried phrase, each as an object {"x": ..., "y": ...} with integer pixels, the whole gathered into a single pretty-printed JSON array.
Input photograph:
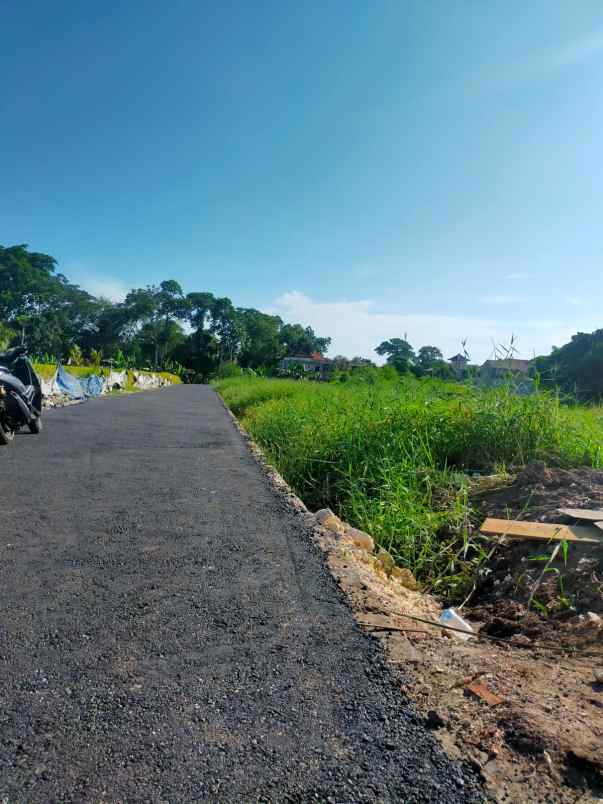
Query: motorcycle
[{"x": 20, "y": 395}]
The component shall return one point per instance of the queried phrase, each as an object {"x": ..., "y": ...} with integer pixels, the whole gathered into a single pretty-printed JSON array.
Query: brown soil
[
  {"x": 571, "y": 588},
  {"x": 543, "y": 742}
]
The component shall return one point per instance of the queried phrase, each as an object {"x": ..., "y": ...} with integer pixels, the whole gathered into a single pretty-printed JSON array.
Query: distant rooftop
[{"x": 509, "y": 364}]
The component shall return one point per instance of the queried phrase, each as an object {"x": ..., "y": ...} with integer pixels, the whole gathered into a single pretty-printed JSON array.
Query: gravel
[{"x": 170, "y": 632}]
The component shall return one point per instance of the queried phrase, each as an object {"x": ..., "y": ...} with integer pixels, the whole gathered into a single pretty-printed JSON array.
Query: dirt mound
[{"x": 571, "y": 587}]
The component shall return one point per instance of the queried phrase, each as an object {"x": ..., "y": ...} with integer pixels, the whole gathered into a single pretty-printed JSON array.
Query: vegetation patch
[{"x": 395, "y": 457}]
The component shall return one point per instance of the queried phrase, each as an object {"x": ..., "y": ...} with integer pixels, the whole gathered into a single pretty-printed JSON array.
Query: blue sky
[{"x": 373, "y": 169}]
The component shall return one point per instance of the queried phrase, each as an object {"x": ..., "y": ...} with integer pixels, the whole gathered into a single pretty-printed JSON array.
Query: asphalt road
[{"x": 169, "y": 633}]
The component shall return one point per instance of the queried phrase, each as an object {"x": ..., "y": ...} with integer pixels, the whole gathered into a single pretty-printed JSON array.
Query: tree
[
  {"x": 199, "y": 353},
  {"x": 299, "y": 340},
  {"x": 576, "y": 367},
  {"x": 428, "y": 357},
  {"x": 399, "y": 353},
  {"x": 151, "y": 316},
  {"x": 75, "y": 355},
  {"x": 40, "y": 307},
  {"x": 48, "y": 312},
  {"x": 226, "y": 328},
  {"x": 199, "y": 308},
  {"x": 260, "y": 345},
  {"x": 7, "y": 336}
]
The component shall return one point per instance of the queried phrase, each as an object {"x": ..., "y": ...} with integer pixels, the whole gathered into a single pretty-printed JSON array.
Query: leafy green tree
[
  {"x": 7, "y": 336},
  {"x": 75, "y": 355},
  {"x": 54, "y": 317},
  {"x": 576, "y": 367},
  {"x": 299, "y": 340},
  {"x": 199, "y": 352},
  {"x": 399, "y": 354},
  {"x": 199, "y": 308},
  {"x": 48, "y": 312},
  {"x": 227, "y": 328},
  {"x": 260, "y": 345},
  {"x": 151, "y": 316},
  {"x": 96, "y": 357},
  {"x": 428, "y": 357}
]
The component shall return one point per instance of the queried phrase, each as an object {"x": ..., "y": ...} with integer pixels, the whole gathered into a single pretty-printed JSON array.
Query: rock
[
  {"x": 330, "y": 521},
  {"x": 360, "y": 539},
  {"x": 324, "y": 513},
  {"x": 335, "y": 525},
  {"x": 593, "y": 620},
  {"x": 598, "y": 674},
  {"x": 406, "y": 578},
  {"x": 434, "y": 720},
  {"x": 520, "y": 640},
  {"x": 386, "y": 562}
]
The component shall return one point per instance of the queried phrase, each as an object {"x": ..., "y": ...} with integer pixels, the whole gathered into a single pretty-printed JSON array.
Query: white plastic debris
[{"x": 451, "y": 618}]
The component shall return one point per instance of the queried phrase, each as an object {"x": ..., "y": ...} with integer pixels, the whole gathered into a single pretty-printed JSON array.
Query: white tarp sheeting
[
  {"x": 117, "y": 379},
  {"x": 146, "y": 381}
]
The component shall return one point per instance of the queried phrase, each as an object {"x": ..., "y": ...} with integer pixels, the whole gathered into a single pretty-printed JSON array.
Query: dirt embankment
[
  {"x": 524, "y": 701},
  {"x": 572, "y": 585}
]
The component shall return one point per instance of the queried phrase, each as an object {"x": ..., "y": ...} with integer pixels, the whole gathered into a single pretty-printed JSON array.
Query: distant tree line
[
  {"x": 201, "y": 335},
  {"x": 576, "y": 368},
  {"x": 429, "y": 360},
  {"x": 159, "y": 326}
]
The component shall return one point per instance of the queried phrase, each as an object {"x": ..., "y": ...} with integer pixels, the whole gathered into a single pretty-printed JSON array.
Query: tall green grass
[{"x": 392, "y": 457}]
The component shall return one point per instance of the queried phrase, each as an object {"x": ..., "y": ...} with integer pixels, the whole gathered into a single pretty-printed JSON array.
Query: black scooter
[{"x": 20, "y": 395}]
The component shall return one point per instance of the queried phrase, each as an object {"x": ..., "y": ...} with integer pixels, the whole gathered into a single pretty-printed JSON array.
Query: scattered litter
[
  {"x": 587, "y": 514},
  {"x": 463, "y": 630},
  {"x": 515, "y": 529},
  {"x": 481, "y": 691}
]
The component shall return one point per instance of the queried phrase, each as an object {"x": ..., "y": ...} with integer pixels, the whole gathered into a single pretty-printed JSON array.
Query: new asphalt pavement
[{"x": 169, "y": 632}]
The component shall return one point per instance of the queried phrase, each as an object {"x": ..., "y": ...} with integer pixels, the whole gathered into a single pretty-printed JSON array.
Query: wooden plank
[
  {"x": 583, "y": 513},
  {"x": 543, "y": 531},
  {"x": 481, "y": 691}
]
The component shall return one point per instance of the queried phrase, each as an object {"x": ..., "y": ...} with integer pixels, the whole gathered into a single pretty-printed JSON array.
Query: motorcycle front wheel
[
  {"x": 35, "y": 425},
  {"x": 6, "y": 434}
]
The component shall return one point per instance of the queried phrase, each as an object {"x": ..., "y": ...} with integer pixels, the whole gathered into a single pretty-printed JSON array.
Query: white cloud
[
  {"x": 502, "y": 299},
  {"x": 357, "y": 327},
  {"x": 106, "y": 287}
]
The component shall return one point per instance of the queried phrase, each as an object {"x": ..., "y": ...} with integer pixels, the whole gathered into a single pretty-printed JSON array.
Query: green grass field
[{"x": 391, "y": 457}]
